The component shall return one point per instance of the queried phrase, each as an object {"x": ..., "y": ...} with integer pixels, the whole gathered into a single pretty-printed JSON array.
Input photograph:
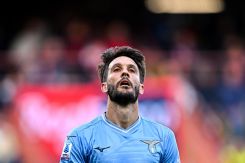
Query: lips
[{"x": 125, "y": 83}]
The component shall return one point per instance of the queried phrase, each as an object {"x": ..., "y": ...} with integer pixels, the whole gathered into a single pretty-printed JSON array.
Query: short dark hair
[{"x": 114, "y": 52}]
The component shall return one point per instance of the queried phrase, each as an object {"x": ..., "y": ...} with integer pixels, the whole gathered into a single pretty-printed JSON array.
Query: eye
[
  {"x": 132, "y": 70},
  {"x": 116, "y": 69}
]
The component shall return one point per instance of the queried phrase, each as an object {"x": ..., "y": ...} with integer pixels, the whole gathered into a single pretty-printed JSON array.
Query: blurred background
[{"x": 194, "y": 51}]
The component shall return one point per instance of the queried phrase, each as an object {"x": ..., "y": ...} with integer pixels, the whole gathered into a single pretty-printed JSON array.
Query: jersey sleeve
[
  {"x": 171, "y": 154},
  {"x": 74, "y": 150}
]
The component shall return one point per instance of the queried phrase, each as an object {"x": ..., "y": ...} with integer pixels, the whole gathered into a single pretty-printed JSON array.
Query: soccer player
[{"x": 121, "y": 135}]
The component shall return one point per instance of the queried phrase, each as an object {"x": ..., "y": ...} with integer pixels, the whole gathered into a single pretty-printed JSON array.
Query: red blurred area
[{"x": 43, "y": 115}]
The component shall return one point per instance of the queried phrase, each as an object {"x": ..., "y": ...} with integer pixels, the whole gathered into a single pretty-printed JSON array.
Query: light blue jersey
[{"x": 102, "y": 141}]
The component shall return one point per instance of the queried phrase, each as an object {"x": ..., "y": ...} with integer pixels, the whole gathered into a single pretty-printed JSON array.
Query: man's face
[{"x": 123, "y": 82}]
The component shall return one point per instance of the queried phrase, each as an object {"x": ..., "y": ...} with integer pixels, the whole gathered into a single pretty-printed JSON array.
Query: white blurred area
[{"x": 184, "y": 7}]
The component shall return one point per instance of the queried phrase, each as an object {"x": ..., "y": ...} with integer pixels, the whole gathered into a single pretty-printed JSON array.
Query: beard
[{"x": 121, "y": 98}]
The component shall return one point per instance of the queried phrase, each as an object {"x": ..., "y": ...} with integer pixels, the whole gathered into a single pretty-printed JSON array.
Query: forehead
[{"x": 122, "y": 60}]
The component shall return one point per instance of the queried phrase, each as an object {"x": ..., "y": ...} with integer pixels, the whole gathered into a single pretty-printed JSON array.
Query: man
[{"x": 121, "y": 134}]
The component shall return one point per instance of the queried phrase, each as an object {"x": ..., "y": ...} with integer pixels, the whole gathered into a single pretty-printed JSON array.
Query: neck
[{"x": 123, "y": 116}]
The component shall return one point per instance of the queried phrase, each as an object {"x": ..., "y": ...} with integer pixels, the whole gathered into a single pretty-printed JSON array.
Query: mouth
[{"x": 125, "y": 83}]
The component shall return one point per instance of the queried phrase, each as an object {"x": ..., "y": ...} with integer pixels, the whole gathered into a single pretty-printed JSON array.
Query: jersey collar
[{"x": 130, "y": 128}]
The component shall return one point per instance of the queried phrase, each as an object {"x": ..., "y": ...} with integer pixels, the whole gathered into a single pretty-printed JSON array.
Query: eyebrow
[
  {"x": 116, "y": 65},
  {"x": 132, "y": 66},
  {"x": 120, "y": 65}
]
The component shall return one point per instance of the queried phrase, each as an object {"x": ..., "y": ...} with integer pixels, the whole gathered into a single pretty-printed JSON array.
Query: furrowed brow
[
  {"x": 116, "y": 65},
  {"x": 132, "y": 66}
]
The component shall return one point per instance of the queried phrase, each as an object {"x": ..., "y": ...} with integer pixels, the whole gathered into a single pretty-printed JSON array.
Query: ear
[
  {"x": 141, "y": 89},
  {"x": 104, "y": 87}
]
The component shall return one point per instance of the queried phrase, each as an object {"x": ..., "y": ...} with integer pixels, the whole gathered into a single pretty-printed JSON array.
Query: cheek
[
  {"x": 137, "y": 77},
  {"x": 113, "y": 76},
  {"x": 136, "y": 80},
  {"x": 136, "y": 83},
  {"x": 111, "y": 80}
]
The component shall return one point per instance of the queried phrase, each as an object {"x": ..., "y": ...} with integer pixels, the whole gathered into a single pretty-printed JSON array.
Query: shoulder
[
  {"x": 156, "y": 126},
  {"x": 86, "y": 128}
]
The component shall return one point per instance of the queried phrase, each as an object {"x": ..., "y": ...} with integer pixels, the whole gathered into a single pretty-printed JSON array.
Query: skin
[{"x": 122, "y": 116}]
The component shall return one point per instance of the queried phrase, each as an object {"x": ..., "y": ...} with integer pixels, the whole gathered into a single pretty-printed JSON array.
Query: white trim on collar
[{"x": 108, "y": 122}]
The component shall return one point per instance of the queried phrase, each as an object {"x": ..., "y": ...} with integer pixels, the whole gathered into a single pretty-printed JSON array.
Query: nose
[{"x": 125, "y": 74}]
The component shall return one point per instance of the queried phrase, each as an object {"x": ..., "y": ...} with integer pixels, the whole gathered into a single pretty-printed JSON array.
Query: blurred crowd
[{"x": 38, "y": 54}]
